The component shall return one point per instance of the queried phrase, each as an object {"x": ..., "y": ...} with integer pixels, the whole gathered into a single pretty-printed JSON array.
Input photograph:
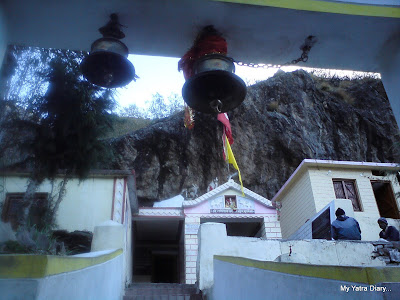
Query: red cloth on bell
[{"x": 207, "y": 45}]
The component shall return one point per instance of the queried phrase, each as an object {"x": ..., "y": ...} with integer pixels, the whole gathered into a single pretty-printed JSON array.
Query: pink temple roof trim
[{"x": 223, "y": 187}]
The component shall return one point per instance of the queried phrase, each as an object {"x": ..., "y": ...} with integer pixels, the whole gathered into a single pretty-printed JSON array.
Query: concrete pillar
[
  {"x": 271, "y": 228},
  {"x": 211, "y": 236},
  {"x": 191, "y": 248},
  {"x": 390, "y": 72},
  {"x": 108, "y": 235},
  {"x": 111, "y": 235}
]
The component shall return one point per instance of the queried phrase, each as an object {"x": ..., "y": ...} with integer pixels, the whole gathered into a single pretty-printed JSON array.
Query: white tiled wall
[{"x": 297, "y": 206}]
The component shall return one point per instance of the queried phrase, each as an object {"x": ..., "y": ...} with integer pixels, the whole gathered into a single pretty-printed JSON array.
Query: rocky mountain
[{"x": 283, "y": 120}]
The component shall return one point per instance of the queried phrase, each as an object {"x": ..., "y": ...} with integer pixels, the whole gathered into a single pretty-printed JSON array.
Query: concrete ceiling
[
  {"x": 259, "y": 34},
  {"x": 158, "y": 229}
]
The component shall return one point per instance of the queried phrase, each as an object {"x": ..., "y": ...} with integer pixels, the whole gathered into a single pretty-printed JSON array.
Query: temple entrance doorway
[{"x": 158, "y": 250}]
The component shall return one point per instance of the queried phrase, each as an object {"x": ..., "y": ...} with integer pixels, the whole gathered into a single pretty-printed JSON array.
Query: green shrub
[{"x": 14, "y": 247}]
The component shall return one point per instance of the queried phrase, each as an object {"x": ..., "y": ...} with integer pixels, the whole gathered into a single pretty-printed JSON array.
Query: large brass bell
[
  {"x": 214, "y": 88},
  {"x": 107, "y": 64}
]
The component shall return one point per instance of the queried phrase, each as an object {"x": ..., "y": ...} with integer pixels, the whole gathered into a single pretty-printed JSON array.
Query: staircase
[{"x": 161, "y": 291}]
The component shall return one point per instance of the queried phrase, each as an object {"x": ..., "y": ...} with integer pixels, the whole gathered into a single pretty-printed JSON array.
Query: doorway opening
[
  {"x": 385, "y": 199},
  {"x": 158, "y": 250},
  {"x": 239, "y": 227}
]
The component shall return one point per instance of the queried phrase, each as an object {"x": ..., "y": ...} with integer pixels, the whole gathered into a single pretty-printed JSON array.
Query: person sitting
[
  {"x": 389, "y": 233},
  {"x": 344, "y": 227}
]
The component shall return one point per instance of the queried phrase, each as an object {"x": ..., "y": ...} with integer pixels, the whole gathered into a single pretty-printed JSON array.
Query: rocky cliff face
[{"x": 283, "y": 120}]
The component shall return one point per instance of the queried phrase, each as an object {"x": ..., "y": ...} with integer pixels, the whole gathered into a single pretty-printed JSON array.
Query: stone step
[
  {"x": 162, "y": 286},
  {"x": 164, "y": 297},
  {"x": 151, "y": 284},
  {"x": 161, "y": 291}
]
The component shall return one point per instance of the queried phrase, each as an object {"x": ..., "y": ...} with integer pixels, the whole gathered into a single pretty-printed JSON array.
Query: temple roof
[{"x": 228, "y": 185}]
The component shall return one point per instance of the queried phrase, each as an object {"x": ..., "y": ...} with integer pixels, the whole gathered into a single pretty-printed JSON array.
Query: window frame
[
  {"x": 393, "y": 198},
  {"x": 10, "y": 197},
  {"x": 356, "y": 193}
]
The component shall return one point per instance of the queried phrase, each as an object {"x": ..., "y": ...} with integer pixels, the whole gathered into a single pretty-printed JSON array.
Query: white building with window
[
  {"x": 100, "y": 204},
  {"x": 87, "y": 203},
  {"x": 365, "y": 190}
]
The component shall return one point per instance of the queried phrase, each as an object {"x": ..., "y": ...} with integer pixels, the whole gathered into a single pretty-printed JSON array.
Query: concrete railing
[
  {"x": 213, "y": 240},
  {"x": 369, "y": 2},
  {"x": 372, "y": 8},
  {"x": 241, "y": 278},
  {"x": 100, "y": 274},
  {"x": 95, "y": 275},
  {"x": 113, "y": 235}
]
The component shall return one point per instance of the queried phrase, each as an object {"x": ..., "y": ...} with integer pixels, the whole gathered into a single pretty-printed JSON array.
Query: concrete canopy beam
[{"x": 259, "y": 34}]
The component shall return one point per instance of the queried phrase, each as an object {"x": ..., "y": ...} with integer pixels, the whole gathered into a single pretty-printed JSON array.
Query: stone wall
[
  {"x": 240, "y": 278},
  {"x": 389, "y": 252},
  {"x": 96, "y": 275},
  {"x": 213, "y": 240}
]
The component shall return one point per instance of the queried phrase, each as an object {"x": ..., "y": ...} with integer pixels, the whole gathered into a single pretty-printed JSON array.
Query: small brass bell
[
  {"x": 214, "y": 88},
  {"x": 107, "y": 64}
]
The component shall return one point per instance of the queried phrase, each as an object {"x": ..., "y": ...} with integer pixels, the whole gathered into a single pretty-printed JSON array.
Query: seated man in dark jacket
[
  {"x": 344, "y": 227},
  {"x": 388, "y": 233}
]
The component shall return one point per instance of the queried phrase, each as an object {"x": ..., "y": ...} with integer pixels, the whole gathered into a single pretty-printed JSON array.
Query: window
[
  {"x": 346, "y": 189},
  {"x": 14, "y": 206},
  {"x": 385, "y": 199},
  {"x": 379, "y": 173}
]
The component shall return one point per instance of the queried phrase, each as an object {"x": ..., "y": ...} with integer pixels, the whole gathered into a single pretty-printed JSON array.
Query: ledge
[
  {"x": 8, "y": 171},
  {"x": 39, "y": 266},
  {"x": 346, "y": 8},
  {"x": 366, "y": 275}
]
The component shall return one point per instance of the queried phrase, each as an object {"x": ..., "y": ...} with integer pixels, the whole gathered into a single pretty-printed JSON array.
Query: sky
[
  {"x": 161, "y": 75},
  {"x": 156, "y": 74}
]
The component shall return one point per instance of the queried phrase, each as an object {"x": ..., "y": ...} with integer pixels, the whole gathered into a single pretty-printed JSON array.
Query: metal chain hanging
[{"x": 306, "y": 47}]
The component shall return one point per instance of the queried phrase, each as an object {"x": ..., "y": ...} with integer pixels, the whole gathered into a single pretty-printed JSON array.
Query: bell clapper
[{"x": 216, "y": 105}]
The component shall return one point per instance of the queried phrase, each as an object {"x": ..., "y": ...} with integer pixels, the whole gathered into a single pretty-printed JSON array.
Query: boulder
[{"x": 283, "y": 120}]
